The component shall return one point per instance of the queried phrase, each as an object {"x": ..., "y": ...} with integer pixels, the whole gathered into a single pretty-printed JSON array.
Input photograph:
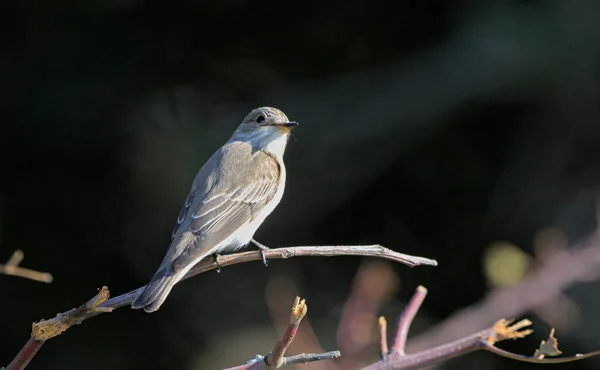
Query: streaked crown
[{"x": 264, "y": 116}]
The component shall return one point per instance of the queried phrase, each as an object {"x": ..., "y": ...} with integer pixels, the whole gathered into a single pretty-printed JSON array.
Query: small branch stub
[
  {"x": 548, "y": 347},
  {"x": 12, "y": 267},
  {"x": 276, "y": 359},
  {"x": 47, "y": 329},
  {"x": 383, "y": 337}
]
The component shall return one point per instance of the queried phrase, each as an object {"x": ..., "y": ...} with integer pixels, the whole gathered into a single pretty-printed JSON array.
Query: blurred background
[{"x": 465, "y": 131}]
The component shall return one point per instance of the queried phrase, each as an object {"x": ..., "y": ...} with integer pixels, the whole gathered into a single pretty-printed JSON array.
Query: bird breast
[{"x": 246, "y": 232}]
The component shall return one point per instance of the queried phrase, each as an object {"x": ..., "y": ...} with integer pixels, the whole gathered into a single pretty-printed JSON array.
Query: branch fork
[
  {"x": 12, "y": 267},
  {"x": 276, "y": 358}
]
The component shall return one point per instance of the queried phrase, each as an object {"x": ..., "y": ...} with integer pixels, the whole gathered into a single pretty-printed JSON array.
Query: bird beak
[{"x": 289, "y": 124}]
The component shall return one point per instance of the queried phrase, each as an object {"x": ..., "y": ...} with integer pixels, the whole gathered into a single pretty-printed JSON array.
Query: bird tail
[{"x": 157, "y": 290}]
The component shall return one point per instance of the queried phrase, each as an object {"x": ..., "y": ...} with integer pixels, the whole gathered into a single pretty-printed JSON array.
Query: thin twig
[
  {"x": 485, "y": 339},
  {"x": 11, "y": 267},
  {"x": 383, "y": 337},
  {"x": 522, "y": 358},
  {"x": 500, "y": 331},
  {"x": 284, "y": 253},
  {"x": 579, "y": 263},
  {"x": 276, "y": 359},
  {"x": 25, "y": 354},
  {"x": 302, "y": 358},
  {"x": 406, "y": 319},
  {"x": 283, "y": 289},
  {"x": 48, "y": 329}
]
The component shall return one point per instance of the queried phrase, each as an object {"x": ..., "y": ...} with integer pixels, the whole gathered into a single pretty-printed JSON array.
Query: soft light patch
[{"x": 505, "y": 264}]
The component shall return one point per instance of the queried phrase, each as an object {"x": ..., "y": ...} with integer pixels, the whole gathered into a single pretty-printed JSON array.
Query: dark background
[{"x": 434, "y": 128}]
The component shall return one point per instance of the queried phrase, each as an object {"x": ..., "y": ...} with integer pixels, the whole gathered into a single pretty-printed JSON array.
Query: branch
[
  {"x": 11, "y": 267},
  {"x": 579, "y": 263},
  {"x": 383, "y": 351},
  {"x": 406, "y": 319},
  {"x": 276, "y": 358},
  {"x": 485, "y": 339},
  {"x": 280, "y": 290},
  {"x": 48, "y": 329},
  {"x": 284, "y": 253}
]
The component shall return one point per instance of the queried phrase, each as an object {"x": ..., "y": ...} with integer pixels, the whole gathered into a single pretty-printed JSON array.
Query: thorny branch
[
  {"x": 11, "y": 267},
  {"x": 276, "y": 358},
  {"x": 48, "y": 329}
]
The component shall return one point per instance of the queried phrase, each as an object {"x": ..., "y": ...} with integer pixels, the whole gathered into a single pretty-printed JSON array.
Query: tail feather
[{"x": 156, "y": 291}]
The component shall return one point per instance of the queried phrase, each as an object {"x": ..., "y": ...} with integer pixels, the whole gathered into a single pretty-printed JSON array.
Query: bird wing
[{"x": 229, "y": 191}]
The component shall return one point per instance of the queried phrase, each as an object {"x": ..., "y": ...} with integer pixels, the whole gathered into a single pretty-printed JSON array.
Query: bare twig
[
  {"x": 406, "y": 319},
  {"x": 283, "y": 253},
  {"x": 579, "y": 263},
  {"x": 396, "y": 359},
  {"x": 11, "y": 267},
  {"x": 276, "y": 358},
  {"x": 25, "y": 355},
  {"x": 383, "y": 337},
  {"x": 47, "y": 329},
  {"x": 485, "y": 339}
]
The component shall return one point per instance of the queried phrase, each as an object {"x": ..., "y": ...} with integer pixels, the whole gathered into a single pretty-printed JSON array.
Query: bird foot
[
  {"x": 262, "y": 248},
  {"x": 217, "y": 256}
]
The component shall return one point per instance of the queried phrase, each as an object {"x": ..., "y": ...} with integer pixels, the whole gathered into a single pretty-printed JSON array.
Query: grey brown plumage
[{"x": 231, "y": 195}]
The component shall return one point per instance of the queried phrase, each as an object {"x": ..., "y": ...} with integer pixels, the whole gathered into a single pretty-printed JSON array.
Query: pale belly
[{"x": 246, "y": 232}]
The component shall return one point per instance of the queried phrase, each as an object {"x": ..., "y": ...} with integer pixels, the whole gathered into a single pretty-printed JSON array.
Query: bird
[{"x": 230, "y": 197}]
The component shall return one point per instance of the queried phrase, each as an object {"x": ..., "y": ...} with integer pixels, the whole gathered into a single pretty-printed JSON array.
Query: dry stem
[
  {"x": 11, "y": 267},
  {"x": 485, "y": 339},
  {"x": 48, "y": 329},
  {"x": 276, "y": 358},
  {"x": 406, "y": 319},
  {"x": 562, "y": 270}
]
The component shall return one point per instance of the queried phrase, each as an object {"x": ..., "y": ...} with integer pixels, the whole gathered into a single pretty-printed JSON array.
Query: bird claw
[
  {"x": 262, "y": 248},
  {"x": 216, "y": 256}
]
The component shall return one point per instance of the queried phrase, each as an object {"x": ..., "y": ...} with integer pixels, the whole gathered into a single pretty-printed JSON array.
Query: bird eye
[{"x": 260, "y": 119}]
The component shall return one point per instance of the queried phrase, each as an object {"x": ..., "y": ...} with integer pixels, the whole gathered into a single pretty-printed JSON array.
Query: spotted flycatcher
[{"x": 232, "y": 194}]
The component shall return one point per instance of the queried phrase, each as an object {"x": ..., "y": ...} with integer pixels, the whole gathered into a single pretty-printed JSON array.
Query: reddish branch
[
  {"x": 406, "y": 319},
  {"x": 276, "y": 358},
  {"x": 482, "y": 340},
  {"x": 47, "y": 329},
  {"x": 577, "y": 264}
]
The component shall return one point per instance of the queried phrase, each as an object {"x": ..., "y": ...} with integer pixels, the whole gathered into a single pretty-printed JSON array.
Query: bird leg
[
  {"x": 216, "y": 256},
  {"x": 262, "y": 248}
]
